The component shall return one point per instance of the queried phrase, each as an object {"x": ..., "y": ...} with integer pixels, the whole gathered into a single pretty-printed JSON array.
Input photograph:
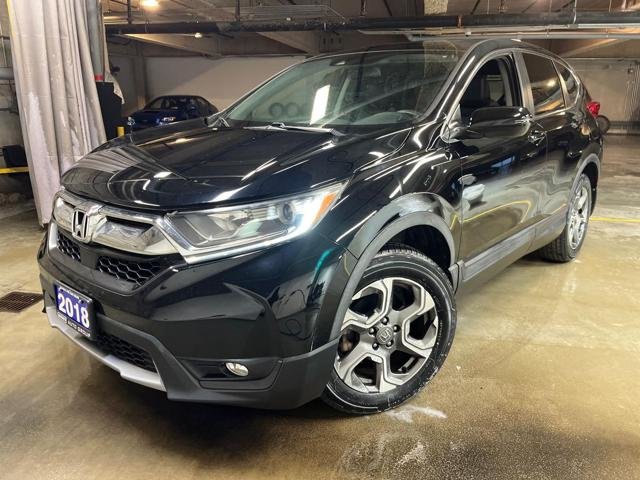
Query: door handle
[{"x": 468, "y": 179}]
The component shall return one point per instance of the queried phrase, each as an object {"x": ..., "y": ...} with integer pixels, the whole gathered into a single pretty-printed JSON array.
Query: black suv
[{"x": 308, "y": 241}]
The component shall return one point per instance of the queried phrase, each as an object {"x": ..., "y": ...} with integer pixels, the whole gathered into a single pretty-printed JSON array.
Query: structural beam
[
  {"x": 551, "y": 19},
  {"x": 202, "y": 46},
  {"x": 580, "y": 47},
  {"x": 308, "y": 42}
]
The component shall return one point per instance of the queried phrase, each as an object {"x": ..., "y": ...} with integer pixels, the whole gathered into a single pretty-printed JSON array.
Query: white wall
[
  {"x": 615, "y": 83},
  {"x": 221, "y": 81}
]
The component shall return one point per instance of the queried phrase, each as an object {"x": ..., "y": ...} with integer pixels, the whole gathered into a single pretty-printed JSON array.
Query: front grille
[
  {"x": 134, "y": 272},
  {"x": 125, "y": 351},
  {"x": 68, "y": 247}
]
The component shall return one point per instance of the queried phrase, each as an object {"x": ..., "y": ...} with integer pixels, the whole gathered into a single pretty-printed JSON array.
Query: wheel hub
[
  {"x": 388, "y": 332},
  {"x": 384, "y": 335}
]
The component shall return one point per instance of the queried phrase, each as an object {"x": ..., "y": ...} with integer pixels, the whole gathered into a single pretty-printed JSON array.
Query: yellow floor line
[
  {"x": 615, "y": 220},
  {"x": 13, "y": 170}
]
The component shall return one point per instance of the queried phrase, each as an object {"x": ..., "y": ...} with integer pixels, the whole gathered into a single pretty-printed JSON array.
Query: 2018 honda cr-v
[{"x": 308, "y": 241}]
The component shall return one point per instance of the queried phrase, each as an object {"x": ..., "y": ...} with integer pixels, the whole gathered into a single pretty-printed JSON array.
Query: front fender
[
  {"x": 417, "y": 209},
  {"x": 410, "y": 210}
]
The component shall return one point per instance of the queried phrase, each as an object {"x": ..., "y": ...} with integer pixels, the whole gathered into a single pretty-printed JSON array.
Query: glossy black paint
[{"x": 473, "y": 203}]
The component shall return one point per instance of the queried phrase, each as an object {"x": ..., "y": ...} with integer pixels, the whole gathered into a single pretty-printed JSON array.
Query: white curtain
[{"x": 57, "y": 96}]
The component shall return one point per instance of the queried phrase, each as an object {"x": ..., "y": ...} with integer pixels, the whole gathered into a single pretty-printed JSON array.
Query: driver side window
[{"x": 494, "y": 85}]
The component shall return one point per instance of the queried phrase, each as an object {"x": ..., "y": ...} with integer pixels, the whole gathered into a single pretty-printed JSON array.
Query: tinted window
[
  {"x": 167, "y": 103},
  {"x": 570, "y": 82},
  {"x": 545, "y": 84},
  {"x": 493, "y": 86}
]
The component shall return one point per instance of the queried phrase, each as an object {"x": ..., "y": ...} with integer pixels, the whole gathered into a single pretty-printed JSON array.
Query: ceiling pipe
[
  {"x": 548, "y": 19},
  {"x": 529, "y": 36}
]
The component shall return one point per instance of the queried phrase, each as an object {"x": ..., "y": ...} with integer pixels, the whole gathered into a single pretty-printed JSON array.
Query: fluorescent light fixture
[{"x": 149, "y": 3}]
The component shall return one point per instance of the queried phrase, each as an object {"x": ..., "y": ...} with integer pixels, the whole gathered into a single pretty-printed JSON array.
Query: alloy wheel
[
  {"x": 387, "y": 335},
  {"x": 579, "y": 217}
]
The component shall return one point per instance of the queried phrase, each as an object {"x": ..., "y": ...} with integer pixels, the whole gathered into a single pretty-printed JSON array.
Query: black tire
[
  {"x": 561, "y": 249},
  {"x": 402, "y": 261}
]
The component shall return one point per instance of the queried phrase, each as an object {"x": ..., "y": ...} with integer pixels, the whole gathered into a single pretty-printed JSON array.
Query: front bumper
[
  {"x": 266, "y": 310},
  {"x": 127, "y": 370}
]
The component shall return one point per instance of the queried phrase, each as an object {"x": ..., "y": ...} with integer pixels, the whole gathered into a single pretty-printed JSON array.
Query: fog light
[{"x": 237, "y": 369}]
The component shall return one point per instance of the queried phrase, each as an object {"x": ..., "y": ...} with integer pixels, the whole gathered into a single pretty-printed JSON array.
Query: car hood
[{"x": 178, "y": 168}]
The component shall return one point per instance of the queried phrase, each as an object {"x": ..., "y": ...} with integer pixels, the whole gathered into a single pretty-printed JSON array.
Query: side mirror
[{"x": 494, "y": 122}]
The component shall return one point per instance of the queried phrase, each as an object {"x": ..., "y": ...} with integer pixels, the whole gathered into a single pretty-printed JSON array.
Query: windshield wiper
[
  {"x": 283, "y": 126},
  {"x": 219, "y": 118}
]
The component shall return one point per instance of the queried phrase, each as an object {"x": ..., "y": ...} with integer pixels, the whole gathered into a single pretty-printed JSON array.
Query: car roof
[
  {"x": 177, "y": 96},
  {"x": 459, "y": 46}
]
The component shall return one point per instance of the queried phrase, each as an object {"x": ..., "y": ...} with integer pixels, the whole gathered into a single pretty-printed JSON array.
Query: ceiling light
[
  {"x": 149, "y": 3},
  {"x": 198, "y": 35}
]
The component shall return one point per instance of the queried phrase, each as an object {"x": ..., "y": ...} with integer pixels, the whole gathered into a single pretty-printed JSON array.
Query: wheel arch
[
  {"x": 403, "y": 227},
  {"x": 590, "y": 166}
]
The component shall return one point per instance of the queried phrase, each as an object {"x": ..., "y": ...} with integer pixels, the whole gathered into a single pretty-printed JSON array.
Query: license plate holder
[{"x": 76, "y": 310}]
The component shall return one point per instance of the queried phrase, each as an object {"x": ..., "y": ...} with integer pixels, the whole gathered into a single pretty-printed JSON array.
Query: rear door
[
  {"x": 500, "y": 175},
  {"x": 554, "y": 109}
]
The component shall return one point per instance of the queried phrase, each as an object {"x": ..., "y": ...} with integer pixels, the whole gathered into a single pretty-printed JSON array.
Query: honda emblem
[{"x": 79, "y": 226}]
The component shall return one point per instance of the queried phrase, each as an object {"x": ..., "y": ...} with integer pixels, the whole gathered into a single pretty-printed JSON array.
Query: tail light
[{"x": 594, "y": 108}]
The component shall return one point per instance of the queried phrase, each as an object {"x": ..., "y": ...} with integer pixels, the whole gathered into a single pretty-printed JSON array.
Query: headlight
[
  {"x": 167, "y": 119},
  {"x": 62, "y": 213},
  {"x": 231, "y": 230}
]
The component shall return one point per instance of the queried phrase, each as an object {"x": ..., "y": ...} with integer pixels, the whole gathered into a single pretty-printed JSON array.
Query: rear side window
[
  {"x": 570, "y": 82},
  {"x": 545, "y": 84}
]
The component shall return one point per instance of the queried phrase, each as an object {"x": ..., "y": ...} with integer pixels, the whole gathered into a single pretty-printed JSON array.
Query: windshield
[{"x": 367, "y": 89}]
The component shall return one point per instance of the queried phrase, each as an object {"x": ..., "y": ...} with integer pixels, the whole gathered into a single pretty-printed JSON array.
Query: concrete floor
[{"x": 542, "y": 382}]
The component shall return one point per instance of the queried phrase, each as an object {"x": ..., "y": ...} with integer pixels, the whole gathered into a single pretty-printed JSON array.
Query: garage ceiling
[
  {"x": 229, "y": 27},
  {"x": 203, "y": 10}
]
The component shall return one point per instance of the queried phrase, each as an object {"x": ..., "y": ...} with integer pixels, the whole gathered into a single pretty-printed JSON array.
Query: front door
[
  {"x": 561, "y": 120},
  {"x": 500, "y": 174}
]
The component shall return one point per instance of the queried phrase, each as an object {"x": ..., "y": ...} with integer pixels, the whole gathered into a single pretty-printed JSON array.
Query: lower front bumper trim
[{"x": 127, "y": 370}]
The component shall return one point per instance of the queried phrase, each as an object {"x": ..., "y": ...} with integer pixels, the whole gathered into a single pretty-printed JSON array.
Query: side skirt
[{"x": 483, "y": 266}]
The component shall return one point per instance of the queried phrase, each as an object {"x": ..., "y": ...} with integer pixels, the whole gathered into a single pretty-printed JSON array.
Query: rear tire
[
  {"x": 566, "y": 247},
  {"x": 396, "y": 334}
]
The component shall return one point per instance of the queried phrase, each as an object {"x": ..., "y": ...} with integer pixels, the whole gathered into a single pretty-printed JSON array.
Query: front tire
[
  {"x": 396, "y": 334},
  {"x": 566, "y": 247}
]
